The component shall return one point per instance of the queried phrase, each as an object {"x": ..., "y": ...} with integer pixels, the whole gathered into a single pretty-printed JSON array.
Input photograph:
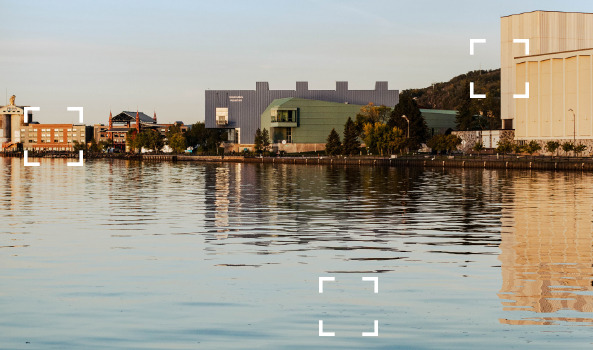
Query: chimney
[
  {"x": 341, "y": 86},
  {"x": 262, "y": 86},
  {"x": 137, "y": 121},
  {"x": 110, "y": 121},
  {"x": 381, "y": 86},
  {"x": 302, "y": 86},
  {"x": 155, "y": 117}
]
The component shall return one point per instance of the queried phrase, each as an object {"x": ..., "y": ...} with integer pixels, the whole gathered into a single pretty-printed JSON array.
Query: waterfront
[{"x": 127, "y": 254}]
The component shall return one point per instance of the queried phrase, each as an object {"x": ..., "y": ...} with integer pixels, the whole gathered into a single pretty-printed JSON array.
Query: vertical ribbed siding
[{"x": 246, "y": 114}]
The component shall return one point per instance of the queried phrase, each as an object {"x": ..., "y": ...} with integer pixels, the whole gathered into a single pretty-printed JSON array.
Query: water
[{"x": 132, "y": 255}]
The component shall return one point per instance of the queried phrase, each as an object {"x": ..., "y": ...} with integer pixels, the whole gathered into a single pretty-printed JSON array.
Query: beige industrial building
[{"x": 558, "y": 68}]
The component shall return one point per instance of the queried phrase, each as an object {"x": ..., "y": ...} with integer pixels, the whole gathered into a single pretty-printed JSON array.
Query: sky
[{"x": 162, "y": 55}]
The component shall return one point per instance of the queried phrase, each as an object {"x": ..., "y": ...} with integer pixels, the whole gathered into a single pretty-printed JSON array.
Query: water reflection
[{"x": 546, "y": 249}]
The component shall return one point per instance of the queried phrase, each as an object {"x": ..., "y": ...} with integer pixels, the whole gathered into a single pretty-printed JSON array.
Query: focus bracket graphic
[
  {"x": 375, "y": 332},
  {"x": 80, "y": 111}
]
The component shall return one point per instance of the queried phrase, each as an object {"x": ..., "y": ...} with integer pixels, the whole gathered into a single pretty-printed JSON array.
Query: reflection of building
[
  {"x": 239, "y": 111},
  {"x": 559, "y": 71},
  {"x": 546, "y": 250}
]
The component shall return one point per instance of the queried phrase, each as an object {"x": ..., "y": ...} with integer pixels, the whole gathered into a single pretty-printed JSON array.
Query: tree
[
  {"x": 418, "y": 130},
  {"x": 465, "y": 114},
  {"x": 567, "y": 147},
  {"x": 552, "y": 146},
  {"x": 151, "y": 139},
  {"x": 175, "y": 139},
  {"x": 504, "y": 147},
  {"x": 132, "y": 140},
  {"x": 351, "y": 143},
  {"x": 78, "y": 146},
  {"x": 94, "y": 146},
  {"x": 177, "y": 142},
  {"x": 444, "y": 143},
  {"x": 333, "y": 145},
  {"x": 265, "y": 137},
  {"x": 258, "y": 142},
  {"x": 397, "y": 140},
  {"x": 478, "y": 147},
  {"x": 204, "y": 139},
  {"x": 532, "y": 147},
  {"x": 517, "y": 148},
  {"x": 371, "y": 114},
  {"x": 104, "y": 145},
  {"x": 578, "y": 149}
]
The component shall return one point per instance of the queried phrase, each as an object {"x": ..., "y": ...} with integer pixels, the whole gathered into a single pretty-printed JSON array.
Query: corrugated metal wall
[{"x": 245, "y": 112}]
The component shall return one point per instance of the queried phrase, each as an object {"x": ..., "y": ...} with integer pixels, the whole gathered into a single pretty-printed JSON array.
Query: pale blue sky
[{"x": 162, "y": 55}]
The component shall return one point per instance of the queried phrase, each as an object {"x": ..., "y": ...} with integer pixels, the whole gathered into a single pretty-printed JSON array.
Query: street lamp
[
  {"x": 574, "y": 127},
  {"x": 408, "y": 120}
]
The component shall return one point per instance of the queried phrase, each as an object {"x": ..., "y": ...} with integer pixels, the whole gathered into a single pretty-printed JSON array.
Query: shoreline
[{"x": 485, "y": 162}]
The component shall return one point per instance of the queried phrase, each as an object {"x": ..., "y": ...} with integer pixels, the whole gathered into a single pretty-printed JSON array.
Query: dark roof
[{"x": 126, "y": 116}]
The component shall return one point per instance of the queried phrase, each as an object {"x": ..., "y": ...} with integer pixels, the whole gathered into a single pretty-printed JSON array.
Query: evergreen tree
[
  {"x": 418, "y": 130},
  {"x": 465, "y": 114},
  {"x": 265, "y": 139},
  {"x": 258, "y": 142},
  {"x": 351, "y": 142},
  {"x": 333, "y": 146}
]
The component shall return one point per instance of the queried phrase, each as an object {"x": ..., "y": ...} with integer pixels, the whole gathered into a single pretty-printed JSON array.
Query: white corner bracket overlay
[
  {"x": 27, "y": 163},
  {"x": 325, "y": 279},
  {"x": 374, "y": 333},
  {"x": 471, "y": 92},
  {"x": 80, "y": 113},
  {"x": 375, "y": 281},
  {"x": 325, "y": 334},
  {"x": 80, "y": 160},
  {"x": 475, "y": 41},
  {"x": 26, "y": 111},
  {"x": 80, "y": 120},
  {"x": 523, "y": 41},
  {"x": 526, "y": 94}
]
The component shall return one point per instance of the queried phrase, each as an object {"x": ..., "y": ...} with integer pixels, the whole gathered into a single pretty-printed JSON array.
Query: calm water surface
[{"x": 132, "y": 255}]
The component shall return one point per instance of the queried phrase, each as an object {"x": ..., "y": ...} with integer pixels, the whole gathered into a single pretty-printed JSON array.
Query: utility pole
[{"x": 574, "y": 127}]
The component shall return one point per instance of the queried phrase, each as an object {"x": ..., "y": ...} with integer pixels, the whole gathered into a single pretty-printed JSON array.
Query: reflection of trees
[{"x": 546, "y": 251}]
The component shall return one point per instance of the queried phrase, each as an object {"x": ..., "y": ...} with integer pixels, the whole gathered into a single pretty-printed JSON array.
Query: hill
[{"x": 450, "y": 95}]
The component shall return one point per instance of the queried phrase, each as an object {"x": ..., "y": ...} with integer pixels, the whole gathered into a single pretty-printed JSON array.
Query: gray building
[{"x": 239, "y": 111}]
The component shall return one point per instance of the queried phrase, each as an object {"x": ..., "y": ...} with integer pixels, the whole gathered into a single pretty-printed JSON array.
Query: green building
[
  {"x": 439, "y": 121},
  {"x": 304, "y": 124}
]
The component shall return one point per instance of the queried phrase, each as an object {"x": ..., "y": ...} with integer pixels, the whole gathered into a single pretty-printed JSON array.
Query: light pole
[
  {"x": 408, "y": 120},
  {"x": 574, "y": 127}
]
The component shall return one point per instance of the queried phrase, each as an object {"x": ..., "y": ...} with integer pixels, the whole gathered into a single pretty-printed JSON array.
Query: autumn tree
[{"x": 371, "y": 114}]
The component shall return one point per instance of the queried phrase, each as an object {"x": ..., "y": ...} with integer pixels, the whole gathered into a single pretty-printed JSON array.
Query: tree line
[{"x": 198, "y": 137}]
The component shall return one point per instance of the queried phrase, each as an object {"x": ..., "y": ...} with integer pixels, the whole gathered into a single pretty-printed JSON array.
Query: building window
[{"x": 289, "y": 135}]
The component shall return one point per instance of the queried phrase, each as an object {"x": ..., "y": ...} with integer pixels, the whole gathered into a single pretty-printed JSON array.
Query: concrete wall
[{"x": 489, "y": 138}]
